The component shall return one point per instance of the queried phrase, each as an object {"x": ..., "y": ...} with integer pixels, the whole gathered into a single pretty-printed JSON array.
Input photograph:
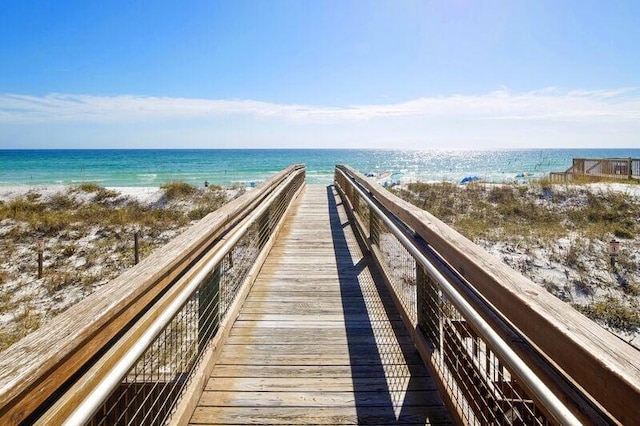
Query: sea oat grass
[
  {"x": 556, "y": 234},
  {"x": 178, "y": 190},
  {"x": 88, "y": 241},
  {"x": 57, "y": 281},
  {"x": 614, "y": 313},
  {"x": 88, "y": 187},
  {"x": 104, "y": 195},
  {"x": 26, "y": 320}
]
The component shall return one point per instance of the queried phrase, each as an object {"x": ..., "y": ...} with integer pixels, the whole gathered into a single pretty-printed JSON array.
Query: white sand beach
[
  {"x": 79, "y": 258},
  {"x": 143, "y": 194},
  {"x": 88, "y": 240}
]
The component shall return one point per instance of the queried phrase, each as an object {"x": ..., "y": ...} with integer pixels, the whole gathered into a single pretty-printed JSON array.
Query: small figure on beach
[{"x": 206, "y": 183}]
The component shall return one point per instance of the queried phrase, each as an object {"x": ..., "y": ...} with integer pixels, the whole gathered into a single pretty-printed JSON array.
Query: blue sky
[{"x": 395, "y": 74}]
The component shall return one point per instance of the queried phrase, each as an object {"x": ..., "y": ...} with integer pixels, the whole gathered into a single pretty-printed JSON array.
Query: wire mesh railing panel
[
  {"x": 481, "y": 385},
  {"x": 482, "y": 388},
  {"x": 362, "y": 210},
  {"x": 160, "y": 373},
  {"x": 399, "y": 267},
  {"x": 237, "y": 263},
  {"x": 147, "y": 395}
]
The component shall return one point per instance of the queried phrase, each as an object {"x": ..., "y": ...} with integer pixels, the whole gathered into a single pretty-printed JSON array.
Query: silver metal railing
[
  {"x": 484, "y": 378},
  {"x": 143, "y": 383}
]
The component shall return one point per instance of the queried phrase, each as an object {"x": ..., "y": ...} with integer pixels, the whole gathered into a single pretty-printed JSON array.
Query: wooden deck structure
[
  {"x": 600, "y": 168},
  {"x": 318, "y": 340},
  {"x": 298, "y": 304}
]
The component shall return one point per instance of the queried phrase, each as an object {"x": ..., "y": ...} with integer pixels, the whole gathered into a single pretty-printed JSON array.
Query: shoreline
[
  {"x": 141, "y": 191},
  {"x": 142, "y": 194}
]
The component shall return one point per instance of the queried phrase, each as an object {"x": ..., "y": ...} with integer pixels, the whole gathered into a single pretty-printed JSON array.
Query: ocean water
[{"x": 118, "y": 168}]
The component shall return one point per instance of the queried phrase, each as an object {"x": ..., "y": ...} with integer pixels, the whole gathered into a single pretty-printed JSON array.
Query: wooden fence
[
  {"x": 47, "y": 375},
  {"x": 594, "y": 374},
  {"x": 602, "y": 168}
]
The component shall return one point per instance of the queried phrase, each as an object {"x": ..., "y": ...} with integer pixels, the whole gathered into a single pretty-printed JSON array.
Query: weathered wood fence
[
  {"x": 505, "y": 350},
  {"x": 608, "y": 168},
  {"x": 126, "y": 353}
]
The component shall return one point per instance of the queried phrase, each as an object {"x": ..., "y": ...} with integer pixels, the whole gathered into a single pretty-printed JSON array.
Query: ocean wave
[{"x": 147, "y": 177}]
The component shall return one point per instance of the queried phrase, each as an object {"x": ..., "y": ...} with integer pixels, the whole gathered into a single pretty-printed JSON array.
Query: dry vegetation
[
  {"x": 88, "y": 232},
  {"x": 557, "y": 235}
]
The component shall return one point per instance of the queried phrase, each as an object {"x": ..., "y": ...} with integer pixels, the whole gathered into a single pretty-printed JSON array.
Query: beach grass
[
  {"x": 494, "y": 211},
  {"x": 178, "y": 189},
  {"x": 556, "y": 234},
  {"x": 88, "y": 233}
]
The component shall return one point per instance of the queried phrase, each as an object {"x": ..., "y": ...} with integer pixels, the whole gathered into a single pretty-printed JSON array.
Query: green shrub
[
  {"x": 21, "y": 209},
  {"x": 33, "y": 196},
  {"x": 50, "y": 223},
  {"x": 198, "y": 213},
  {"x": 88, "y": 187},
  {"x": 178, "y": 190},
  {"x": 613, "y": 313},
  {"x": 68, "y": 250},
  {"x": 624, "y": 233},
  {"x": 61, "y": 201},
  {"x": 103, "y": 195}
]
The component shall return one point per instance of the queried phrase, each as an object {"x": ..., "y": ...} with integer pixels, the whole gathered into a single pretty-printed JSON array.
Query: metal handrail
[
  {"x": 87, "y": 408},
  {"x": 547, "y": 398}
]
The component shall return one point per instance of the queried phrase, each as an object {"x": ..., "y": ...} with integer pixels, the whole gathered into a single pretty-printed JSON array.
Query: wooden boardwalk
[{"x": 318, "y": 341}]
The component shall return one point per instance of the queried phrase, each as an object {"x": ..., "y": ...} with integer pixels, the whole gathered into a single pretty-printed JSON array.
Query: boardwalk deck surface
[{"x": 318, "y": 341}]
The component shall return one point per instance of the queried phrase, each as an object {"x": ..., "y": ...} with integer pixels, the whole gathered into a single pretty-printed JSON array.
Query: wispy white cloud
[
  {"x": 548, "y": 104},
  {"x": 548, "y": 117}
]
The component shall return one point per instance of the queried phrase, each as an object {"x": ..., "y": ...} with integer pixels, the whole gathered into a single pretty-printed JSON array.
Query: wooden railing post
[
  {"x": 40, "y": 256},
  {"x": 428, "y": 306},
  {"x": 374, "y": 235},
  {"x": 263, "y": 228}
]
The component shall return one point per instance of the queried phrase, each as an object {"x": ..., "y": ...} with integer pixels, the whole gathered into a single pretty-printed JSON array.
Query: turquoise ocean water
[{"x": 117, "y": 168}]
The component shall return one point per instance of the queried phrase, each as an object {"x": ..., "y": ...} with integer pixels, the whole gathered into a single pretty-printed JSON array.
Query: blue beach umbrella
[{"x": 469, "y": 179}]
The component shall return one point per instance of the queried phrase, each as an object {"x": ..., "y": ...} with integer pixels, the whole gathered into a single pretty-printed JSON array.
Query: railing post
[
  {"x": 428, "y": 306},
  {"x": 374, "y": 235},
  {"x": 208, "y": 308},
  {"x": 264, "y": 228},
  {"x": 40, "y": 256}
]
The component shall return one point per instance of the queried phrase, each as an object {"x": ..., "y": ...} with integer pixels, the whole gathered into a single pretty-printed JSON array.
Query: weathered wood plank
[
  {"x": 316, "y": 384},
  {"x": 318, "y": 416},
  {"x": 605, "y": 366},
  {"x": 315, "y": 399},
  {"x": 318, "y": 323},
  {"x": 352, "y": 318},
  {"x": 292, "y": 337},
  {"x": 284, "y": 371},
  {"x": 267, "y": 353},
  {"x": 316, "y": 342},
  {"x": 320, "y": 359}
]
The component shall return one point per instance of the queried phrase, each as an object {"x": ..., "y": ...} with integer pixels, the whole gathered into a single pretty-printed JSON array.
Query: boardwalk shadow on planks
[{"x": 377, "y": 341}]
